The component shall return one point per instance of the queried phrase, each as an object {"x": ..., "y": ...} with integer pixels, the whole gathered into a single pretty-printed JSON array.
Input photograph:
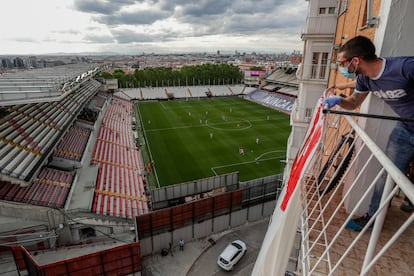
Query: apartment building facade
[{"x": 328, "y": 26}]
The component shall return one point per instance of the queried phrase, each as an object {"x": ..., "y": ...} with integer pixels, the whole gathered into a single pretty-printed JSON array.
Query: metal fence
[
  {"x": 121, "y": 260},
  {"x": 251, "y": 201}
]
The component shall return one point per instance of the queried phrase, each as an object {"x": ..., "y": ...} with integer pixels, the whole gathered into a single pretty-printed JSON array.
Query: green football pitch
[{"x": 186, "y": 140}]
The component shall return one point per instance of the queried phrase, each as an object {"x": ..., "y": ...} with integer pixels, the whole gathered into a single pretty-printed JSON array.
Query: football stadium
[
  {"x": 84, "y": 162},
  {"x": 100, "y": 179},
  {"x": 209, "y": 137}
]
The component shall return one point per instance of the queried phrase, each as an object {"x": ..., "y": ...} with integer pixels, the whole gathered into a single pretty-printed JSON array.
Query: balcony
[
  {"x": 320, "y": 25},
  {"x": 315, "y": 72},
  {"x": 328, "y": 248}
]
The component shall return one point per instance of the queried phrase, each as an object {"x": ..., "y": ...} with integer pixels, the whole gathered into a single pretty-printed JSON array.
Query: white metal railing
[
  {"x": 316, "y": 71},
  {"x": 323, "y": 24},
  {"x": 327, "y": 247}
]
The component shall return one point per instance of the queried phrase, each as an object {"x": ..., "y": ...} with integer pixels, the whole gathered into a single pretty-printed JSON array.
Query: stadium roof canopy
[{"x": 43, "y": 85}]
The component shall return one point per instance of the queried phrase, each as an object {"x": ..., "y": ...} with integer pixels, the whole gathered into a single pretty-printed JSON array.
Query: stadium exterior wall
[
  {"x": 171, "y": 195},
  {"x": 156, "y": 243},
  {"x": 44, "y": 215}
]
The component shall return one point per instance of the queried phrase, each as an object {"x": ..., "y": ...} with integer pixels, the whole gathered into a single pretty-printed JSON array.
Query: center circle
[{"x": 230, "y": 125}]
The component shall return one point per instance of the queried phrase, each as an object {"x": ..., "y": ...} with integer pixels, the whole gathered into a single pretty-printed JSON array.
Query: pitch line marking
[
  {"x": 230, "y": 122},
  {"x": 269, "y": 152},
  {"x": 213, "y": 169},
  {"x": 163, "y": 106}
]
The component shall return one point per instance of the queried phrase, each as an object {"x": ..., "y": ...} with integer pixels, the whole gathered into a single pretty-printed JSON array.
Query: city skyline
[{"x": 150, "y": 26}]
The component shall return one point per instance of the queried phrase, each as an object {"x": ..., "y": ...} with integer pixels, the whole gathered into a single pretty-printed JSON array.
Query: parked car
[{"x": 231, "y": 254}]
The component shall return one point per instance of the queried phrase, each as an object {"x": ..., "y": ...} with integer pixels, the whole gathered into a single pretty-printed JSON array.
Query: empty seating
[
  {"x": 50, "y": 189},
  {"x": 30, "y": 130},
  {"x": 73, "y": 144},
  {"x": 182, "y": 92},
  {"x": 119, "y": 186}
]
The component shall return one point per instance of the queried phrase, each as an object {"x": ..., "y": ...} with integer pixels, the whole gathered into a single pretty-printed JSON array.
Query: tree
[{"x": 206, "y": 74}]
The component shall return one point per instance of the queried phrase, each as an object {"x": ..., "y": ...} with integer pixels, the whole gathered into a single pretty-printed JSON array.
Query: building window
[
  {"x": 327, "y": 10},
  {"x": 324, "y": 62},
  {"x": 308, "y": 114},
  {"x": 319, "y": 64}
]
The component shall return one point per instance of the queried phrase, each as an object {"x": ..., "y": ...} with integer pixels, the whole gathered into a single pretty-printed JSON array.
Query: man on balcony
[{"x": 392, "y": 80}]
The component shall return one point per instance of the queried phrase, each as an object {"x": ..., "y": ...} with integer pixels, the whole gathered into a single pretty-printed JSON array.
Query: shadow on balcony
[{"x": 384, "y": 247}]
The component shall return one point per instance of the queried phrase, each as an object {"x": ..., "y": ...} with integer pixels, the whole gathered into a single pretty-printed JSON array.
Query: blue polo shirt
[{"x": 394, "y": 84}]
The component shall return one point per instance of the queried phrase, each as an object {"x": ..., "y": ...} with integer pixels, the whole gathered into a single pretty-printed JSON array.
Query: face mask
[{"x": 344, "y": 71}]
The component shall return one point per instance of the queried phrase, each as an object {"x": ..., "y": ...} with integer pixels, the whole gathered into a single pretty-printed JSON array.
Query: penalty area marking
[
  {"x": 258, "y": 158},
  {"x": 213, "y": 169}
]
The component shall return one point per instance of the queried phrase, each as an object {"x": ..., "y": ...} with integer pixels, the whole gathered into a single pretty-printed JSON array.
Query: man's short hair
[{"x": 359, "y": 46}]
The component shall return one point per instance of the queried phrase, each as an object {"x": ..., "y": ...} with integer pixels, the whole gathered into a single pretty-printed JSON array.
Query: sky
[{"x": 151, "y": 26}]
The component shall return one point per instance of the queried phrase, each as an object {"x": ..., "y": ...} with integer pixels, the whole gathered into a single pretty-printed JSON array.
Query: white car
[{"x": 231, "y": 254}]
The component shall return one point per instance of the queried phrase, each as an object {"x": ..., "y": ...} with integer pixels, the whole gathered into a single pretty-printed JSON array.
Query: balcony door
[{"x": 319, "y": 65}]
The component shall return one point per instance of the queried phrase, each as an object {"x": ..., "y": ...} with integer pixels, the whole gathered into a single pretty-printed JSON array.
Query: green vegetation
[
  {"x": 188, "y": 140},
  {"x": 206, "y": 74}
]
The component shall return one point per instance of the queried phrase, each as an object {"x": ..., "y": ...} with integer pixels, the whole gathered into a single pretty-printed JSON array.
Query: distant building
[
  {"x": 6, "y": 63},
  {"x": 18, "y": 63},
  {"x": 296, "y": 58},
  {"x": 110, "y": 85}
]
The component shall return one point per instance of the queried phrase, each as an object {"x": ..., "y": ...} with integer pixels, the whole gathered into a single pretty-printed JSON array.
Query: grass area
[{"x": 188, "y": 140}]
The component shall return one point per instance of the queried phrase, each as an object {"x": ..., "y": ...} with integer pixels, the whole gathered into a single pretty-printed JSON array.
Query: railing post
[{"x": 379, "y": 221}]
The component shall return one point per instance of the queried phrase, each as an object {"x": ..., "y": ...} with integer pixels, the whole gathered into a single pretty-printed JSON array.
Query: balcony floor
[{"x": 398, "y": 260}]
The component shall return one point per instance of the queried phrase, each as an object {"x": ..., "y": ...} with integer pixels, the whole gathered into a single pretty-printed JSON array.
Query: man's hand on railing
[{"x": 332, "y": 101}]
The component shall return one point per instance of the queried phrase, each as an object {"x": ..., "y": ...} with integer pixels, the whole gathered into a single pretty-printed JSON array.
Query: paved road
[
  {"x": 199, "y": 257},
  {"x": 251, "y": 234}
]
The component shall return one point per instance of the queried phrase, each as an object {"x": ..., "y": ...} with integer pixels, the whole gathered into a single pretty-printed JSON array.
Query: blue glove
[{"x": 332, "y": 101}]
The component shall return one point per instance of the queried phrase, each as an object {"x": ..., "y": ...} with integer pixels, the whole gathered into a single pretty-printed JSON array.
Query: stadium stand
[
  {"x": 120, "y": 187},
  {"x": 279, "y": 90},
  {"x": 33, "y": 129},
  {"x": 274, "y": 100},
  {"x": 127, "y": 96},
  {"x": 152, "y": 93},
  {"x": 161, "y": 93},
  {"x": 29, "y": 132},
  {"x": 288, "y": 91},
  {"x": 283, "y": 75},
  {"x": 282, "y": 80},
  {"x": 49, "y": 189},
  {"x": 46, "y": 84},
  {"x": 99, "y": 100},
  {"x": 46, "y": 118},
  {"x": 73, "y": 144}
]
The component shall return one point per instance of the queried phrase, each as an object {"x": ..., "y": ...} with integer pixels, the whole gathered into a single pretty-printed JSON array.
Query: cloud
[
  {"x": 167, "y": 25},
  {"x": 25, "y": 39},
  {"x": 205, "y": 16},
  {"x": 205, "y": 8},
  {"x": 242, "y": 17},
  {"x": 101, "y": 6},
  {"x": 140, "y": 17}
]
